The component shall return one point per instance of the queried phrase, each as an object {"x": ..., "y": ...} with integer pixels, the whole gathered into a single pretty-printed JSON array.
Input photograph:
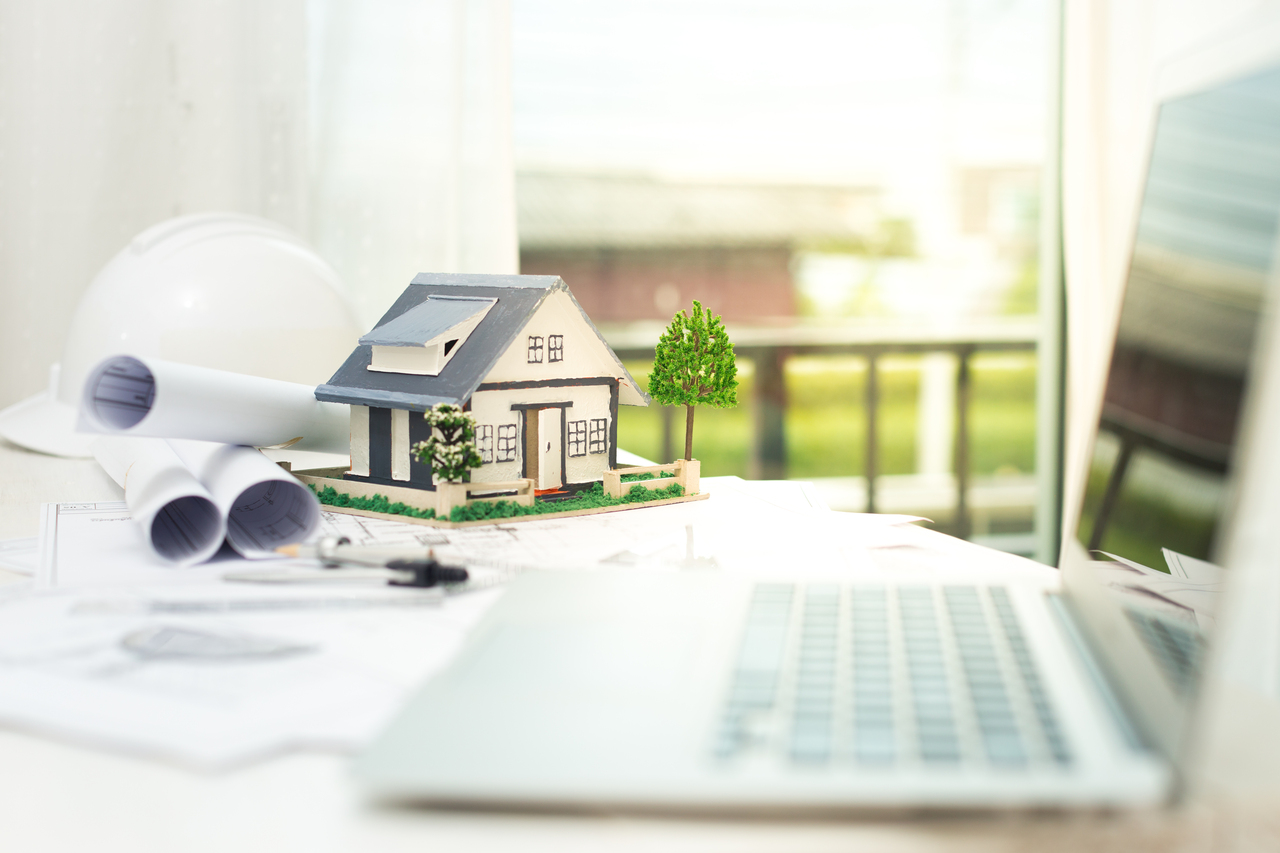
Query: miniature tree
[
  {"x": 451, "y": 450},
  {"x": 694, "y": 365}
]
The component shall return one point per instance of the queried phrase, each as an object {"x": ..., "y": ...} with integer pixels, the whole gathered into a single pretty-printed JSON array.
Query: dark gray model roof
[
  {"x": 518, "y": 297},
  {"x": 426, "y": 320}
]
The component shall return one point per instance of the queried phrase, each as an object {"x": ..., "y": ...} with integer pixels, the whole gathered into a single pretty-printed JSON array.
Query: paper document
[
  {"x": 164, "y": 399},
  {"x": 264, "y": 506},
  {"x": 737, "y": 529},
  {"x": 1191, "y": 592},
  {"x": 93, "y": 544},
  {"x": 128, "y": 652},
  {"x": 1192, "y": 570},
  {"x": 218, "y": 689},
  {"x": 173, "y": 511}
]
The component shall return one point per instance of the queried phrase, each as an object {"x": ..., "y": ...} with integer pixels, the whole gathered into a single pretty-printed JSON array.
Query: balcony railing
[{"x": 769, "y": 347}]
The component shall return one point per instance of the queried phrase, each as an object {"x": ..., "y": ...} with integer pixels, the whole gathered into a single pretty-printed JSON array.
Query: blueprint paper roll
[
  {"x": 176, "y": 514},
  {"x": 264, "y": 506},
  {"x": 164, "y": 399}
]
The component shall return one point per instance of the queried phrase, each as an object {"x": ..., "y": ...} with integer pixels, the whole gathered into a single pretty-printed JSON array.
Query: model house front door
[
  {"x": 543, "y": 447},
  {"x": 550, "y": 473}
]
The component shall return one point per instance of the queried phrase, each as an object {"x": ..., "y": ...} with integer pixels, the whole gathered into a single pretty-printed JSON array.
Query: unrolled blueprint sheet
[
  {"x": 85, "y": 544},
  {"x": 745, "y": 526},
  {"x": 66, "y": 668}
]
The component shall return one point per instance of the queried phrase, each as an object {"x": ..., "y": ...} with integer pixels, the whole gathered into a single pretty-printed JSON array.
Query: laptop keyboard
[
  {"x": 1177, "y": 648},
  {"x": 877, "y": 676}
]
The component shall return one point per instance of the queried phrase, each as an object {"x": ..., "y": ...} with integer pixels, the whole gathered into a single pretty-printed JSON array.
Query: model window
[
  {"x": 598, "y": 429},
  {"x": 535, "y": 349},
  {"x": 577, "y": 438},
  {"x": 507, "y": 443},
  {"x": 484, "y": 442},
  {"x": 555, "y": 348}
]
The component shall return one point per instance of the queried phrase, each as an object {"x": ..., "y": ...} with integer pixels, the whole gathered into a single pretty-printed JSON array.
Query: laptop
[{"x": 708, "y": 691}]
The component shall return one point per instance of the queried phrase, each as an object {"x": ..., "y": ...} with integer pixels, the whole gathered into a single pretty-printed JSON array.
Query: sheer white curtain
[
  {"x": 1113, "y": 52},
  {"x": 411, "y": 141},
  {"x": 380, "y": 130}
]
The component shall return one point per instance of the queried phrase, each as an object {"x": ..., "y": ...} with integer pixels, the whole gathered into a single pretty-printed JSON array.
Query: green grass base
[
  {"x": 329, "y": 496},
  {"x": 593, "y": 498}
]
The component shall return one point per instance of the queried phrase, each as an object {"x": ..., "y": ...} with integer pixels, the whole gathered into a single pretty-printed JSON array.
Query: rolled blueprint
[
  {"x": 164, "y": 399},
  {"x": 265, "y": 507},
  {"x": 176, "y": 514}
]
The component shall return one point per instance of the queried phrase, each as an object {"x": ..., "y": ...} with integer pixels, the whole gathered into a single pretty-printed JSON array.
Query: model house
[{"x": 517, "y": 350}]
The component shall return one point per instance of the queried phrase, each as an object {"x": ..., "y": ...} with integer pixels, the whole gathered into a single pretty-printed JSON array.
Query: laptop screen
[{"x": 1189, "y": 322}]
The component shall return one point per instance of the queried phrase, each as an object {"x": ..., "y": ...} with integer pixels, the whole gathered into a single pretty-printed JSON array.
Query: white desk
[{"x": 58, "y": 797}]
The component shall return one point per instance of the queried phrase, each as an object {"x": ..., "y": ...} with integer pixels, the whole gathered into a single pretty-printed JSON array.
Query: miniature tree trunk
[{"x": 688, "y": 432}]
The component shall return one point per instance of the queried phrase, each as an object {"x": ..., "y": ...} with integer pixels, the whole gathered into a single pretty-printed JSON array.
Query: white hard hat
[{"x": 220, "y": 290}]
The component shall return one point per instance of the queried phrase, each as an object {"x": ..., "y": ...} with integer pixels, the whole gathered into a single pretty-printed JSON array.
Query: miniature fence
[
  {"x": 449, "y": 495},
  {"x": 682, "y": 471}
]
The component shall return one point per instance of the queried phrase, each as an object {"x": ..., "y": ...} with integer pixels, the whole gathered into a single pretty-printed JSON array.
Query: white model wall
[
  {"x": 584, "y": 353},
  {"x": 360, "y": 440},
  {"x": 494, "y": 408}
]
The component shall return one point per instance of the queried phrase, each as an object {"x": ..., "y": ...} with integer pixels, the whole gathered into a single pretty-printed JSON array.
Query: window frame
[
  {"x": 484, "y": 443},
  {"x": 576, "y": 438},
  {"x": 598, "y": 435},
  {"x": 555, "y": 348},
  {"x": 508, "y": 443},
  {"x": 535, "y": 349}
]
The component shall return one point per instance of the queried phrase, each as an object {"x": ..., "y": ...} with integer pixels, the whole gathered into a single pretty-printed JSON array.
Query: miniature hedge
[
  {"x": 330, "y": 496},
  {"x": 594, "y": 498},
  {"x": 635, "y": 478}
]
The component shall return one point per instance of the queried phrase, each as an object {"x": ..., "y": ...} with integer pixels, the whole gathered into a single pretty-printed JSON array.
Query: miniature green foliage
[
  {"x": 694, "y": 365},
  {"x": 451, "y": 450},
  {"x": 329, "y": 496},
  {"x": 593, "y": 498}
]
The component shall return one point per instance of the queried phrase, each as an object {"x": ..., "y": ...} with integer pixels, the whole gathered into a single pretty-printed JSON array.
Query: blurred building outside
[{"x": 635, "y": 249}]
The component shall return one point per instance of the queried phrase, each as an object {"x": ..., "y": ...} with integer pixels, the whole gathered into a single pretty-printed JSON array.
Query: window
[
  {"x": 577, "y": 438},
  {"x": 484, "y": 442},
  {"x": 555, "y": 348},
  {"x": 507, "y": 443},
  {"x": 599, "y": 426},
  {"x": 939, "y": 225},
  {"x": 412, "y": 342},
  {"x": 535, "y": 349}
]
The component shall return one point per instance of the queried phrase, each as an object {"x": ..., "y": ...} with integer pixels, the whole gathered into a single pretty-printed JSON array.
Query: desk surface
[{"x": 58, "y": 797}]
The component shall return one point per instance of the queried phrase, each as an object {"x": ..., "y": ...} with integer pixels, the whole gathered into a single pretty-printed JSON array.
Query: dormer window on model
[{"x": 422, "y": 340}]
